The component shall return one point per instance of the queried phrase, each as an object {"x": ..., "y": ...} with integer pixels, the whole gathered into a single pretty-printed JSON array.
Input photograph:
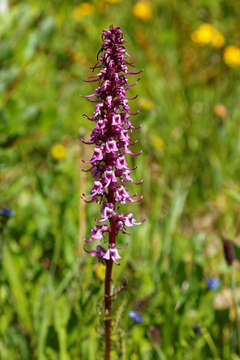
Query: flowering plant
[
  {"x": 111, "y": 136},
  {"x": 108, "y": 165}
]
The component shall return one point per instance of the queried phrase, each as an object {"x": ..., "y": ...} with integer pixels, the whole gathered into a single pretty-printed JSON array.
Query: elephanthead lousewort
[{"x": 111, "y": 137}]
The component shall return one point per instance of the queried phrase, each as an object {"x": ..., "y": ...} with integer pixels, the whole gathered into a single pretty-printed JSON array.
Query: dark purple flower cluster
[{"x": 111, "y": 137}]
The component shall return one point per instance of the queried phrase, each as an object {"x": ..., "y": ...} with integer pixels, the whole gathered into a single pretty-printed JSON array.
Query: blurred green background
[{"x": 51, "y": 292}]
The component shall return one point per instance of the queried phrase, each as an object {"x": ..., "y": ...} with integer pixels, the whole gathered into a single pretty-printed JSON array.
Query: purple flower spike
[{"x": 111, "y": 137}]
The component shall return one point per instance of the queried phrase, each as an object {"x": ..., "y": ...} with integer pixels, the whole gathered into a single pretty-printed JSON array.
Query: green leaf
[
  {"x": 17, "y": 288},
  {"x": 7, "y": 77},
  {"x": 61, "y": 317},
  {"x": 46, "y": 319}
]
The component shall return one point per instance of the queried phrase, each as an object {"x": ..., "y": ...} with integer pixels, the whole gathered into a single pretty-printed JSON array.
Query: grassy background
[{"x": 51, "y": 295}]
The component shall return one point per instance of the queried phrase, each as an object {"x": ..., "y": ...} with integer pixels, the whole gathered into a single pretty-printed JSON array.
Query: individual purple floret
[{"x": 111, "y": 138}]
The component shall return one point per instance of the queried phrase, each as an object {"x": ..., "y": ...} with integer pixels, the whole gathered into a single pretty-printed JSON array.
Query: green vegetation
[{"x": 51, "y": 292}]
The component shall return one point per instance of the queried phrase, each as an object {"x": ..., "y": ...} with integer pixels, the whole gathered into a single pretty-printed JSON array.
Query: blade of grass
[{"x": 17, "y": 288}]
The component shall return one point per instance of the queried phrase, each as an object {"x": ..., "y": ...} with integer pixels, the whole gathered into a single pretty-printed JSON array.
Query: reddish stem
[
  {"x": 108, "y": 298},
  {"x": 108, "y": 309},
  {"x": 108, "y": 273}
]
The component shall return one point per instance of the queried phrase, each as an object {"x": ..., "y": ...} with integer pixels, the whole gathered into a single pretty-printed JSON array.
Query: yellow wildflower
[
  {"x": 58, "y": 151},
  {"x": 82, "y": 10},
  {"x": 220, "y": 110},
  {"x": 157, "y": 142},
  {"x": 142, "y": 10},
  {"x": 100, "y": 271},
  {"x": 232, "y": 56},
  {"x": 112, "y": 1},
  {"x": 203, "y": 34},
  {"x": 207, "y": 34},
  {"x": 145, "y": 104}
]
